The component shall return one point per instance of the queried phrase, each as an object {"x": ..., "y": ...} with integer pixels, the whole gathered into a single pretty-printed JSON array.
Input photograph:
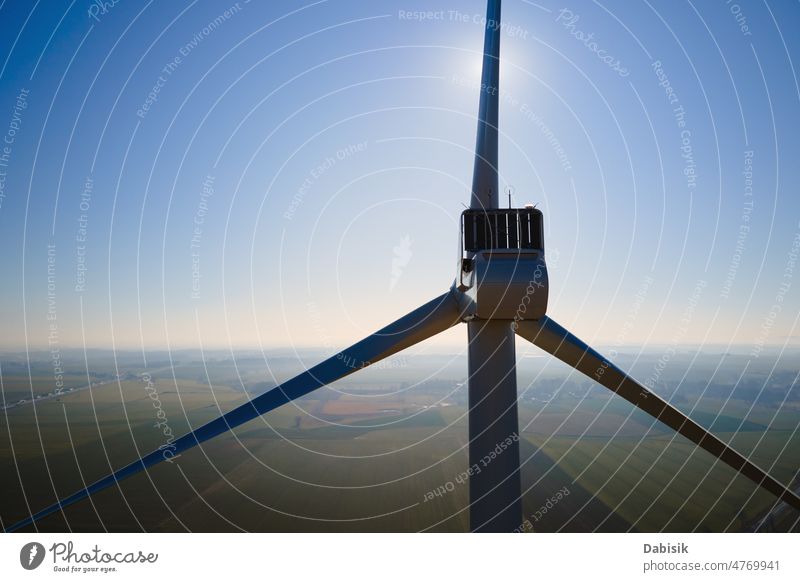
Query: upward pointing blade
[
  {"x": 553, "y": 338},
  {"x": 423, "y": 323},
  {"x": 484, "y": 174}
]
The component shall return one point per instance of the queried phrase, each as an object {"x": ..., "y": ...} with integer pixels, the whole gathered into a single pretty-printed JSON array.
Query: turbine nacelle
[{"x": 502, "y": 272}]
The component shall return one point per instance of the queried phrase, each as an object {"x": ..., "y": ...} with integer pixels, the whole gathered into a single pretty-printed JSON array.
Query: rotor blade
[
  {"x": 553, "y": 338},
  {"x": 484, "y": 173},
  {"x": 423, "y": 323}
]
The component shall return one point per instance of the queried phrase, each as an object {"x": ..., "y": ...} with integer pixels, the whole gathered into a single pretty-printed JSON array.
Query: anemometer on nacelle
[{"x": 502, "y": 271}]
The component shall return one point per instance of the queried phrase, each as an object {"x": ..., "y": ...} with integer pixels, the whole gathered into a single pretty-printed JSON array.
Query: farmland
[{"x": 362, "y": 454}]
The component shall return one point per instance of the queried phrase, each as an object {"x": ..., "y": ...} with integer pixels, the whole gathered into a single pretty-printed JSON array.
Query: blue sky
[{"x": 297, "y": 178}]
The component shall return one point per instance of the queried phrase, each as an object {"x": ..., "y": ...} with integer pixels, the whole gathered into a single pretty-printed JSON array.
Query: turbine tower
[{"x": 500, "y": 290}]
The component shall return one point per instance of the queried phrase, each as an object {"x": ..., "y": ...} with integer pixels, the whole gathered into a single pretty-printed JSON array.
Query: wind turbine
[{"x": 500, "y": 289}]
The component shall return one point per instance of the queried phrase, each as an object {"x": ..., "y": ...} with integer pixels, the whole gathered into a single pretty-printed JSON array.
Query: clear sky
[{"x": 292, "y": 173}]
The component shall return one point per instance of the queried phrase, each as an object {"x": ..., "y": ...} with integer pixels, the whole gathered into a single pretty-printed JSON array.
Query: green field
[{"x": 362, "y": 456}]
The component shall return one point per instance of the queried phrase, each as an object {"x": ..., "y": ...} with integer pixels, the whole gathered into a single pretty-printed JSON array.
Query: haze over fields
[{"x": 385, "y": 449}]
